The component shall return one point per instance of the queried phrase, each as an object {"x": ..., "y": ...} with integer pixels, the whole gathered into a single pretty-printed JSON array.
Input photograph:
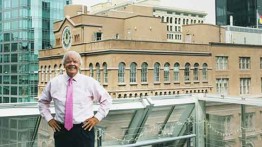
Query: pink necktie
[{"x": 69, "y": 105}]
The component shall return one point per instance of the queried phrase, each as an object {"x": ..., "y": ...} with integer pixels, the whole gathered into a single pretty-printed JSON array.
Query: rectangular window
[
  {"x": 13, "y": 79},
  {"x": 6, "y": 58},
  {"x": 261, "y": 84},
  {"x": 6, "y": 90},
  {"x": 13, "y": 90},
  {"x": 6, "y": 36},
  {"x": 228, "y": 124},
  {"x": 6, "y": 69},
  {"x": 260, "y": 62},
  {"x": 244, "y": 63},
  {"x": 14, "y": 57},
  {"x": 221, "y": 62},
  {"x": 77, "y": 38},
  {"x": 98, "y": 36},
  {"x": 249, "y": 121},
  {"x": 222, "y": 86},
  {"x": 6, "y": 47},
  {"x": 245, "y": 85},
  {"x": 14, "y": 47}
]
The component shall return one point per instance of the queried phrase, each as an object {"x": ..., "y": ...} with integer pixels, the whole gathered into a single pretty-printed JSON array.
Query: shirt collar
[{"x": 75, "y": 78}]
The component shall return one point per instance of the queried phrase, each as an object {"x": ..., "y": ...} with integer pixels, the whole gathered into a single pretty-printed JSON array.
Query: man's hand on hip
[
  {"x": 90, "y": 123},
  {"x": 54, "y": 125}
]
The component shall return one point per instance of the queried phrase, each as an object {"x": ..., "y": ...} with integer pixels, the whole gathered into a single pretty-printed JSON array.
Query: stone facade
[{"x": 105, "y": 44}]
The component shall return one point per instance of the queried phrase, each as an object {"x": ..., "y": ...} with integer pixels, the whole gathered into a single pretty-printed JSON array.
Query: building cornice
[
  {"x": 131, "y": 51},
  {"x": 165, "y": 8},
  {"x": 234, "y": 45}
]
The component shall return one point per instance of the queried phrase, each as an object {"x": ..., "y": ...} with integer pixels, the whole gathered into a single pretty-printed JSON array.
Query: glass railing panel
[
  {"x": 163, "y": 122},
  {"x": 114, "y": 127},
  {"x": 225, "y": 126},
  {"x": 18, "y": 131}
]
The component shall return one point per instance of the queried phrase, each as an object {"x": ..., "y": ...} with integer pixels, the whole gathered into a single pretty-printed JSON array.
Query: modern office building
[
  {"x": 26, "y": 26},
  {"x": 244, "y": 13},
  {"x": 174, "y": 17}
]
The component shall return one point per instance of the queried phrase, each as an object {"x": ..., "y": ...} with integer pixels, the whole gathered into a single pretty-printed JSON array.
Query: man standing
[{"x": 73, "y": 95}]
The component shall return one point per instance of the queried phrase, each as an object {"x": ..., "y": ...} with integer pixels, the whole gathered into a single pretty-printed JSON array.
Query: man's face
[{"x": 71, "y": 65}]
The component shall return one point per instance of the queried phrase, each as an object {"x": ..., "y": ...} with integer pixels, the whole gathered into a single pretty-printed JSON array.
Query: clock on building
[{"x": 66, "y": 38}]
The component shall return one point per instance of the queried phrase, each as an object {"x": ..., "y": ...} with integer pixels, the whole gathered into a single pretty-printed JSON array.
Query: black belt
[{"x": 74, "y": 125}]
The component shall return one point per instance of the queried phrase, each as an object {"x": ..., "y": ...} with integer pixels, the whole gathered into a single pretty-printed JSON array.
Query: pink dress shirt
[{"x": 86, "y": 91}]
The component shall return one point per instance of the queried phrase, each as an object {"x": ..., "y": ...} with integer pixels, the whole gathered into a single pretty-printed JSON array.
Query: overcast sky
[{"x": 207, "y": 6}]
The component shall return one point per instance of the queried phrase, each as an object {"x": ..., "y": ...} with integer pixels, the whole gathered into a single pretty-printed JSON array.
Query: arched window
[
  {"x": 98, "y": 72},
  {"x": 105, "y": 73},
  {"x": 166, "y": 72},
  {"x": 195, "y": 72},
  {"x": 156, "y": 72},
  {"x": 91, "y": 70},
  {"x": 133, "y": 72},
  {"x": 144, "y": 72},
  {"x": 187, "y": 72},
  {"x": 176, "y": 71},
  {"x": 46, "y": 73},
  {"x": 163, "y": 19},
  {"x": 42, "y": 74},
  {"x": 121, "y": 72},
  {"x": 60, "y": 69},
  {"x": 204, "y": 71},
  {"x": 50, "y": 72},
  {"x": 55, "y": 70}
]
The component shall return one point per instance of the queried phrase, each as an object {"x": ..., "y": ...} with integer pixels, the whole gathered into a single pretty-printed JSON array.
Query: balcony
[{"x": 175, "y": 120}]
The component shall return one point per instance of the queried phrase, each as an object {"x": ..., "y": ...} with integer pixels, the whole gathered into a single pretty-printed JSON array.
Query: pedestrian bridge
[{"x": 191, "y": 120}]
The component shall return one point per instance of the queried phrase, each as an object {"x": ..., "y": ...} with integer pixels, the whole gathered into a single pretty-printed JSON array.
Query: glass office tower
[
  {"x": 26, "y": 26},
  {"x": 244, "y": 12}
]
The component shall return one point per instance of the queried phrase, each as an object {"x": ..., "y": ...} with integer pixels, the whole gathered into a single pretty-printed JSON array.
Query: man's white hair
[{"x": 74, "y": 53}]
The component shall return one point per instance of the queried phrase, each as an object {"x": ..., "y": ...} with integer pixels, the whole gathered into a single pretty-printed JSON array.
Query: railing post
[
  {"x": 243, "y": 125},
  {"x": 99, "y": 137},
  {"x": 200, "y": 108}
]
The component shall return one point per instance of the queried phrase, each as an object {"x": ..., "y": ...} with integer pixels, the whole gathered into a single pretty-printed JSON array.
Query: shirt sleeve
[
  {"x": 44, "y": 103},
  {"x": 104, "y": 100}
]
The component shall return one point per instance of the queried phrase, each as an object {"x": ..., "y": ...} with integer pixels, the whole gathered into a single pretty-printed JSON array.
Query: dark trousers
[{"x": 76, "y": 137}]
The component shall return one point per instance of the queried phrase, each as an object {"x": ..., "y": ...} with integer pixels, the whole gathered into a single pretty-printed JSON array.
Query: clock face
[{"x": 66, "y": 38}]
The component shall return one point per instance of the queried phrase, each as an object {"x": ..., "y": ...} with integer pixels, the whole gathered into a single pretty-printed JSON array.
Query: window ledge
[
  {"x": 121, "y": 84},
  {"x": 187, "y": 82},
  {"x": 133, "y": 83},
  {"x": 157, "y": 83},
  {"x": 167, "y": 82},
  {"x": 144, "y": 83}
]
